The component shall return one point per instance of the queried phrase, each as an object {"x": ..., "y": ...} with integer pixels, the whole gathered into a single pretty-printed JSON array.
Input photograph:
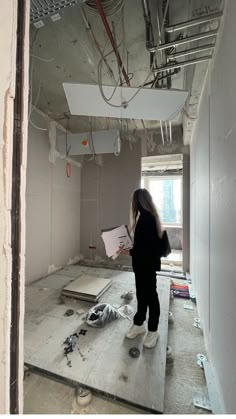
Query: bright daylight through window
[{"x": 167, "y": 196}]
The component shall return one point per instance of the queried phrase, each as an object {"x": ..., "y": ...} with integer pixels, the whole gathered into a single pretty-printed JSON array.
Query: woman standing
[{"x": 146, "y": 260}]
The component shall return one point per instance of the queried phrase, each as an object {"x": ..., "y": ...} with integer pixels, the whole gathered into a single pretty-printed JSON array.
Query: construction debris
[
  {"x": 188, "y": 307},
  {"x": 180, "y": 288},
  {"x": 201, "y": 401},
  {"x": 69, "y": 312},
  {"x": 200, "y": 360},
  {"x": 169, "y": 354},
  {"x": 101, "y": 314},
  {"x": 128, "y": 296},
  {"x": 80, "y": 312},
  {"x": 170, "y": 317},
  {"x": 134, "y": 352},
  {"x": 193, "y": 299},
  {"x": 83, "y": 397},
  {"x": 71, "y": 343},
  {"x": 196, "y": 322}
]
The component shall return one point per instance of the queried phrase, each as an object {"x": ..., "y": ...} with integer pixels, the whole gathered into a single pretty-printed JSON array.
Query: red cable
[
  {"x": 68, "y": 169},
  {"x": 109, "y": 33}
]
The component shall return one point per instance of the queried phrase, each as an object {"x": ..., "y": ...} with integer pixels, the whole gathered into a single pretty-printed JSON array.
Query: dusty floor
[{"x": 183, "y": 377}]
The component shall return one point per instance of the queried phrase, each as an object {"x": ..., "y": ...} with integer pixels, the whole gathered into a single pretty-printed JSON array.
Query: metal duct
[{"x": 41, "y": 9}]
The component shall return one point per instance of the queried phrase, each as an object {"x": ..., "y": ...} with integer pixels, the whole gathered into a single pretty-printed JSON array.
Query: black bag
[{"x": 165, "y": 245}]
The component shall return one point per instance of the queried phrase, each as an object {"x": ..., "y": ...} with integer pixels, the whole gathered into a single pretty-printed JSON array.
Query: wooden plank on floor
[{"x": 101, "y": 360}]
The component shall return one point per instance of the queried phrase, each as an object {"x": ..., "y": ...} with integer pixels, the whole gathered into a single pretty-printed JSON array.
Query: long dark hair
[{"x": 142, "y": 199}]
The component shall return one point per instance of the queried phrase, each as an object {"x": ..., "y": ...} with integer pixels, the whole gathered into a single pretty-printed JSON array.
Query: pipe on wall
[
  {"x": 182, "y": 64},
  {"x": 188, "y": 39},
  {"x": 191, "y": 51},
  {"x": 148, "y": 23},
  {"x": 193, "y": 22}
]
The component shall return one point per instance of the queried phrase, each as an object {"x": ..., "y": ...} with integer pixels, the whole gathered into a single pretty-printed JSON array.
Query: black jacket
[{"x": 146, "y": 249}]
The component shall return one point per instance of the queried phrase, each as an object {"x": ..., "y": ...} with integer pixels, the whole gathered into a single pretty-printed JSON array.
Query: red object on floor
[{"x": 181, "y": 291}]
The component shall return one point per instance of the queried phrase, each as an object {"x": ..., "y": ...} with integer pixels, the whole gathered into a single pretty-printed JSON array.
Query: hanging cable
[
  {"x": 94, "y": 39},
  {"x": 35, "y": 126},
  {"x": 103, "y": 17},
  {"x": 68, "y": 165},
  {"x": 111, "y": 7}
]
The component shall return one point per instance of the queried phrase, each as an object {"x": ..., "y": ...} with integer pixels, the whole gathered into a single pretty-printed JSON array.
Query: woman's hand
[{"x": 123, "y": 251}]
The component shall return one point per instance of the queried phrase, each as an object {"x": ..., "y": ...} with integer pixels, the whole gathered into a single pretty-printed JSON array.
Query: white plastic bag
[
  {"x": 101, "y": 314},
  {"x": 125, "y": 311}
]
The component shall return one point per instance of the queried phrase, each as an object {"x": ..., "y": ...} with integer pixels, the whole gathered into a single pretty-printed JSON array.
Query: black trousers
[{"x": 147, "y": 297}]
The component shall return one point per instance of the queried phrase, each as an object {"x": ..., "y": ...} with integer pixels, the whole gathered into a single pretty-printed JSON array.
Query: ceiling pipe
[
  {"x": 190, "y": 51},
  {"x": 188, "y": 39},
  {"x": 148, "y": 23},
  {"x": 193, "y": 22},
  {"x": 166, "y": 127},
  {"x": 109, "y": 33},
  {"x": 182, "y": 64},
  {"x": 170, "y": 128},
  {"x": 162, "y": 134}
]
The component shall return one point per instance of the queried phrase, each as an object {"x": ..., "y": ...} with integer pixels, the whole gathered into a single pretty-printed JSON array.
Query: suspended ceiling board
[{"x": 148, "y": 104}]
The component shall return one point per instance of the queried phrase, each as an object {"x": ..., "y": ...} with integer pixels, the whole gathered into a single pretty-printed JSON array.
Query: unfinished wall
[
  {"x": 106, "y": 194},
  {"x": 8, "y": 42},
  {"x": 52, "y": 207},
  {"x": 7, "y": 92},
  {"x": 213, "y": 200}
]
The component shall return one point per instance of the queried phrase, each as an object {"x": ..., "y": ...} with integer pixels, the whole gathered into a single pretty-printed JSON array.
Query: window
[{"x": 167, "y": 196}]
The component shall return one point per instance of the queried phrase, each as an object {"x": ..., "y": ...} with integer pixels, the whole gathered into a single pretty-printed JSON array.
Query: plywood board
[
  {"x": 101, "y": 360},
  {"x": 88, "y": 288},
  {"x": 148, "y": 104}
]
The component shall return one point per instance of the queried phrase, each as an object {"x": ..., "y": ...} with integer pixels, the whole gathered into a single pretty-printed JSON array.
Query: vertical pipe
[
  {"x": 170, "y": 129},
  {"x": 166, "y": 128},
  {"x": 162, "y": 134}
]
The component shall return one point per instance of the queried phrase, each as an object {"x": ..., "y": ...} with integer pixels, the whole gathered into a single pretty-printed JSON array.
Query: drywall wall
[
  {"x": 106, "y": 194},
  {"x": 186, "y": 212},
  {"x": 200, "y": 201},
  {"x": 213, "y": 188},
  {"x": 52, "y": 206}
]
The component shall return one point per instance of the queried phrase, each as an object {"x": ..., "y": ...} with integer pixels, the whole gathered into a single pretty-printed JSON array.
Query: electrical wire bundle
[{"x": 110, "y": 7}]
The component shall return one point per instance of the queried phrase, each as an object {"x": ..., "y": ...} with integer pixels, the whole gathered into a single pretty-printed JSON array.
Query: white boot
[
  {"x": 151, "y": 339},
  {"x": 135, "y": 331}
]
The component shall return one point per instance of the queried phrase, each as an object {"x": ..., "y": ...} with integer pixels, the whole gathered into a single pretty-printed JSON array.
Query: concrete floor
[{"x": 43, "y": 395}]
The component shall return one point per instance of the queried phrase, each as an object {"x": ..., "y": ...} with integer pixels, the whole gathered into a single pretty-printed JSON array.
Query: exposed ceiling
[
  {"x": 63, "y": 51},
  {"x": 162, "y": 163}
]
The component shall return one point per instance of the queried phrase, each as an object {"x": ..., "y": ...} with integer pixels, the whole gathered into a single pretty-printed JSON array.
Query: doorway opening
[{"x": 162, "y": 176}]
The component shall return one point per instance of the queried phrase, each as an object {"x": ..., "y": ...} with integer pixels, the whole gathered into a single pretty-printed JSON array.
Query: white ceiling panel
[{"x": 148, "y": 104}]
